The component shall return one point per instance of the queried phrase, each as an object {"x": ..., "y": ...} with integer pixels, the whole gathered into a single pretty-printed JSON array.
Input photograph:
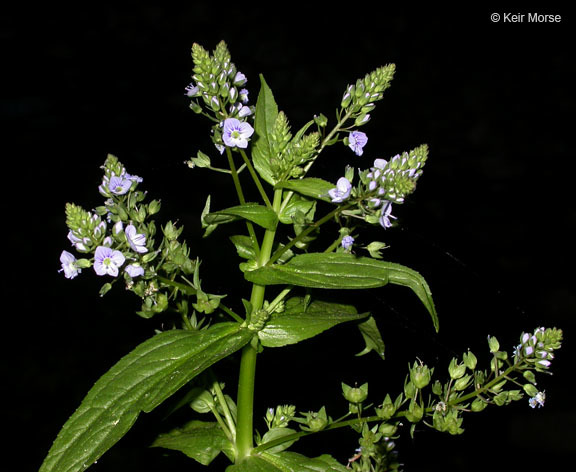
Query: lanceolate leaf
[
  {"x": 264, "y": 119},
  {"x": 299, "y": 322},
  {"x": 343, "y": 271},
  {"x": 259, "y": 214},
  {"x": 138, "y": 382},
  {"x": 200, "y": 440},
  {"x": 310, "y": 186},
  {"x": 372, "y": 337}
]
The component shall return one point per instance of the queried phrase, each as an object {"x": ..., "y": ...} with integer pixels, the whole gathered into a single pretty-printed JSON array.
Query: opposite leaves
[{"x": 343, "y": 271}]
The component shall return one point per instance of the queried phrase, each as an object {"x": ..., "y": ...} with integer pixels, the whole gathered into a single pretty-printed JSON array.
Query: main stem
[{"x": 247, "y": 377}]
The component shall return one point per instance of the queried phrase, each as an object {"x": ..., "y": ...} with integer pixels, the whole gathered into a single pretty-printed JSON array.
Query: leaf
[
  {"x": 372, "y": 337},
  {"x": 259, "y": 214},
  {"x": 140, "y": 381},
  {"x": 244, "y": 246},
  {"x": 264, "y": 119},
  {"x": 287, "y": 462},
  {"x": 278, "y": 433},
  {"x": 299, "y": 322},
  {"x": 199, "y": 440},
  {"x": 309, "y": 186},
  {"x": 343, "y": 271}
]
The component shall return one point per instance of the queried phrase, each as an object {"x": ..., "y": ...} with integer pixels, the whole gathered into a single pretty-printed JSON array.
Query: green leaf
[
  {"x": 343, "y": 271},
  {"x": 139, "y": 382},
  {"x": 300, "y": 321},
  {"x": 309, "y": 186},
  {"x": 372, "y": 337},
  {"x": 199, "y": 440},
  {"x": 244, "y": 246},
  {"x": 264, "y": 119},
  {"x": 278, "y": 433},
  {"x": 259, "y": 214},
  {"x": 288, "y": 462}
]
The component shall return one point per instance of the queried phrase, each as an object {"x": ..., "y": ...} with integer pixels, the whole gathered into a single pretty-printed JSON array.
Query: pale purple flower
[
  {"x": 342, "y": 190},
  {"x": 107, "y": 261},
  {"x": 356, "y": 141},
  {"x": 236, "y": 133},
  {"x": 192, "y": 90},
  {"x": 240, "y": 79},
  {"x": 77, "y": 242},
  {"x": 118, "y": 227},
  {"x": 244, "y": 96},
  {"x": 69, "y": 265},
  {"x": 134, "y": 270},
  {"x": 347, "y": 242},
  {"x": 137, "y": 241},
  {"x": 537, "y": 400},
  {"x": 119, "y": 185},
  {"x": 386, "y": 215}
]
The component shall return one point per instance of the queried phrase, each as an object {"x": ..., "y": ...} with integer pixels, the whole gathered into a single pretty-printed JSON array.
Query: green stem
[
  {"x": 256, "y": 179},
  {"x": 225, "y": 409},
  {"x": 241, "y": 198},
  {"x": 244, "y": 427}
]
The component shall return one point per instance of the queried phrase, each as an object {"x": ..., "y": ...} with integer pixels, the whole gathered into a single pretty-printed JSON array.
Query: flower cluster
[
  {"x": 537, "y": 348},
  {"x": 359, "y": 99},
  {"x": 117, "y": 240}
]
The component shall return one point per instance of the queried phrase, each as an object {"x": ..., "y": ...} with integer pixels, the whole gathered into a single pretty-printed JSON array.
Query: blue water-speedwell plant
[{"x": 289, "y": 267}]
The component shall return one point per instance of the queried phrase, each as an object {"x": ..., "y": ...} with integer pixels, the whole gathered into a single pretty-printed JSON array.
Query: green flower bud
[
  {"x": 355, "y": 394},
  {"x": 456, "y": 370},
  {"x": 203, "y": 400},
  {"x": 478, "y": 405},
  {"x": 470, "y": 360},
  {"x": 415, "y": 412},
  {"x": 387, "y": 429},
  {"x": 321, "y": 120},
  {"x": 420, "y": 375},
  {"x": 530, "y": 390},
  {"x": 195, "y": 107},
  {"x": 493, "y": 344},
  {"x": 462, "y": 383},
  {"x": 529, "y": 375},
  {"x": 387, "y": 410}
]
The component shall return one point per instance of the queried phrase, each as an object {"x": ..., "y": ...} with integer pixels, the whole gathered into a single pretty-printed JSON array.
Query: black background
[{"x": 490, "y": 226}]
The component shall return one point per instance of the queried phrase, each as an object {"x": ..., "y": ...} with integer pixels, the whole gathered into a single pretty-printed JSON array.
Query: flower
[
  {"x": 236, "y": 133},
  {"x": 137, "y": 241},
  {"x": 386, "y": 215},
  {"x": 69, "y": 265},
  {"x": 244, "y": 96},
  {"x": 347, "y": 242},
  {"x": 119, "y": 185},
  {"x": 134, "y": 270},
  {"x": 192, "y": 90},
  {"x": 356, "y": 141},
  {"x": 107, "y": 261},
  {"x": 537, "y": 400},
  {"x": 342, "y": 190}
]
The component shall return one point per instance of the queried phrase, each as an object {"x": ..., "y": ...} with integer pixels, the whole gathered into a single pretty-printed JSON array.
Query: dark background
[{"x": 490, "y": 226}]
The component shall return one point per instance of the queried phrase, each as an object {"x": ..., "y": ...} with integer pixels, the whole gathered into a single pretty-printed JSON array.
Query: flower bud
[
  {"x": 387, "y": 429},
  {"x": 493, "y": 344},
  {"x": 415, "y": 412},
  {"x": 456, "y": 370},
  {"x": 420, "y": 375},
  {"x": 530, "y": 390},
  {"x": 387, "y": 410},
  {"x": 470, "y": 360},
  {"x": 355, "y": 394},
  {"x": 462, "y": 383},
  {"x": 478, "y": 405}
]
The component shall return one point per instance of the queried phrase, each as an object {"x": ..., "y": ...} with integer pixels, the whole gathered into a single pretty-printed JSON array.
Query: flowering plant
[{"x": 290, "y": 269}]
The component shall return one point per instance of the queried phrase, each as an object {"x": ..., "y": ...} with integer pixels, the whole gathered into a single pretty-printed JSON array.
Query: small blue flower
[
  {"x": 119, "y": 185},
  {"x": 69, "y": 265},
  {"x": 537, "y": 400},
  {"x": 342, "y": 190},
  {"x": 244, "y": 96},
  {"x": 136, "y": 241},
  {"x": 134, "y": 270},
  {"x": 386, "y": 215},
  {"x": 107, "y": 261},
  {"x": 347, "y": 242},
  {"x": 235, "y": 133},
  {"x": 192, "y": 90},
  {"x": 356, "y": 141}
]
